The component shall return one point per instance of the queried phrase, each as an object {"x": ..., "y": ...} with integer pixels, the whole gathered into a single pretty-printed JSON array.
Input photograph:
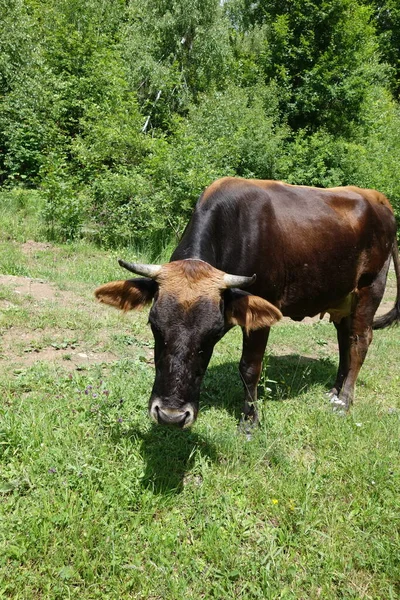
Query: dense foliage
[{"x": 121, "y": 112}]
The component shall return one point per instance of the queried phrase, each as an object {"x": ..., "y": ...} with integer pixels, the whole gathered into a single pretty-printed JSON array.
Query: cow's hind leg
[
  {"x": 359, "y": 341},
  {"x": 254, "y": 344},
  {"x": 360, "y": 334}
]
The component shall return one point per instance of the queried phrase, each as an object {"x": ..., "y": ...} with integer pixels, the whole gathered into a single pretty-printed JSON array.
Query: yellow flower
[{"x": 275, "y": 500}]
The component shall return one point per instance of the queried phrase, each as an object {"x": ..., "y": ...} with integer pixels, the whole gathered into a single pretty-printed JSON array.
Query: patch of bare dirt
[
  {"x": 23, "y": 347},
  {"x": 41, "y": 290},
  {"x": 37, "y": 288},
  {"x": 70, "y": 359},
  {"x": 30, "y": 247}
]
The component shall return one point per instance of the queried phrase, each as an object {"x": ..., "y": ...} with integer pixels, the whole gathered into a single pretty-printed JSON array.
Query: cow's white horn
[
  {"x": 238, "y": 281},
  {"x": 145, "y": 270}
]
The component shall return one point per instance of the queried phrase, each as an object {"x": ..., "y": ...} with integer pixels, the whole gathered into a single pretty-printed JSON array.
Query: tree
[
  {"x": 322, "y": 55},
  {"x": 175, "y": 50},
  {"x": 387, "y": 20}
]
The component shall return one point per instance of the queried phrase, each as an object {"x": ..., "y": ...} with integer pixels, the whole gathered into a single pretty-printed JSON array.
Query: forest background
[{"x": 115, "y": 114}]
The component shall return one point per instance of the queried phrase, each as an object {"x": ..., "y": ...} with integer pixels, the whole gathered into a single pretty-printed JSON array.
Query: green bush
[
  {"x": 126, "y": 210},
  {"x": 20, "y": 215},
  {"x": 316, "y": 160},
  {"x": 64, "y": 211},
  {"x": 376, "y": 159},
  {"x": 227, "y": 133}
]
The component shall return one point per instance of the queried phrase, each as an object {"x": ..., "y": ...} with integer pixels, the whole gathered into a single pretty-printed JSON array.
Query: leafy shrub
[
  {"x": 375, "y": 161},
  {"x": 64, "y": 211},
  {"x": 109, "y": 135},
  {"x": 228, "y": 133},
  {"x": 20, "y": 214},
  {"x": 126, "y": 210},
  {"x": 314, "y": 160}
]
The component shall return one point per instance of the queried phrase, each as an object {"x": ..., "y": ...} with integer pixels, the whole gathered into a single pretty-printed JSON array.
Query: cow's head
[{"x": 194, "y": 305}]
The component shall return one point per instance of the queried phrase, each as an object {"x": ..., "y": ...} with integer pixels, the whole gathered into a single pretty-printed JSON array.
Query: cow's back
[{"x": 308, "y": 246}]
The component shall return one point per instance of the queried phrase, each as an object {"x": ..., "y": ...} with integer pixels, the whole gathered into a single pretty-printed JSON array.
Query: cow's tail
[{"x": 393, "y": 316}]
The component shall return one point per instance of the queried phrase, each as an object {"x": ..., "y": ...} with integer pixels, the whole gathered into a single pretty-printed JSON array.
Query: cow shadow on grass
[
  {"x": 169, "y": 454},
  {"x": 283, "y": 378}
]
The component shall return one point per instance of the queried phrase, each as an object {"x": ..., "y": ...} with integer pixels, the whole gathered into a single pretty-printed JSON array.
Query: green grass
[{"x": 96, "y": 502}]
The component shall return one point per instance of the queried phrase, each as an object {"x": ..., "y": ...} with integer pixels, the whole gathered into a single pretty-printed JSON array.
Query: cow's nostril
[
  {"x": 171, "y": 417},
  {"x": 165, "y": 415}
]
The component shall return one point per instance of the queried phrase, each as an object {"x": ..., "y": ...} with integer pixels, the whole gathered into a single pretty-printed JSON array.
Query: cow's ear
[
  {"x": 250, "y": 312},
  {"x": 127, "y": 295}
]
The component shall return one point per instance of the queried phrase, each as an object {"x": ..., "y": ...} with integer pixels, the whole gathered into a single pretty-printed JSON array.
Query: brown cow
[{"x": 299, "y": 251}]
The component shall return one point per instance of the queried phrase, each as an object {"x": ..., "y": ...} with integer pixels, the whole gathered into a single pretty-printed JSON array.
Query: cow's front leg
[
  {"x": 343, "y": 330},
  {"x": 254, "y": 344}
]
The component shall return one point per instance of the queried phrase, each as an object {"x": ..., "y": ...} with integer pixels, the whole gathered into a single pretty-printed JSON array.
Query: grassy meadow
[{"x": 96, "y": 502}]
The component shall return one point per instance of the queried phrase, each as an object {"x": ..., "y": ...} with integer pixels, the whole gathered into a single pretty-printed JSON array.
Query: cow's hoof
[
  {"x": 339, "y": 406},
  {"x": 336, "y": 401},
  {"x": 247, "y": 432},
  {"x": 331, "y": 393},
  {"x": 247, "y": 426}
]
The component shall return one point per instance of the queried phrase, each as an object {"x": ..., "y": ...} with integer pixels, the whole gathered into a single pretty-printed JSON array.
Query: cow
[{"x": 252, "y": 252}]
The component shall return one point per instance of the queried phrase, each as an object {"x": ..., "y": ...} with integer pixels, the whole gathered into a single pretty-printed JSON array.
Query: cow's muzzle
[{"x": 164, "y": 415}]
